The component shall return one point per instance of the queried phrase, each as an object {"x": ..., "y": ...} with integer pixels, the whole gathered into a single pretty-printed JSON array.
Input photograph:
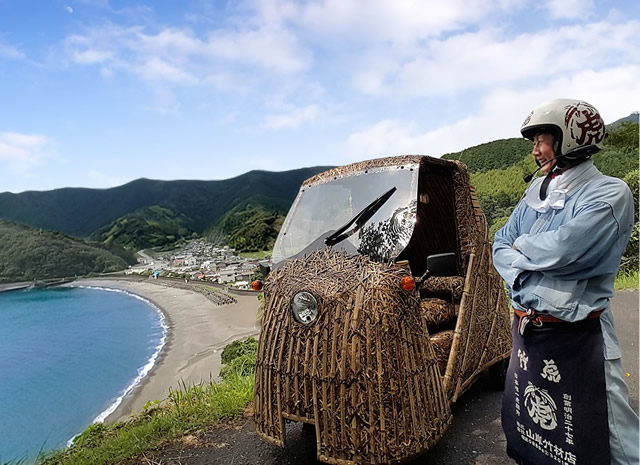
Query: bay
[{"x": 67, "y": 357}]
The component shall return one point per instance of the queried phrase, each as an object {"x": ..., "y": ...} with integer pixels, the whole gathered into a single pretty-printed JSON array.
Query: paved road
[
  {"x": 474, "y": 438},
  {"x": 625, "y": 314}
]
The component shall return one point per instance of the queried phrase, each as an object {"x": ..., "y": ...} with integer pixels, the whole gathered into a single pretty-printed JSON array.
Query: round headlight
[{"x": 304, "y": 307}]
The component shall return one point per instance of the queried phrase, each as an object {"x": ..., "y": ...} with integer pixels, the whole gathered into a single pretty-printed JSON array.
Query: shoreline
[{"x": 197, "y": 332}]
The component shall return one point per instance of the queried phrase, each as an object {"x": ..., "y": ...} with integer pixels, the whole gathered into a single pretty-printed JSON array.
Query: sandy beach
[{"x": 198, "y": 331}]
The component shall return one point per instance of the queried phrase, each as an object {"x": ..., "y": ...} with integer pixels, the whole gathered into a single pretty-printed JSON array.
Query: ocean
[{"x": 68, "y": 356}]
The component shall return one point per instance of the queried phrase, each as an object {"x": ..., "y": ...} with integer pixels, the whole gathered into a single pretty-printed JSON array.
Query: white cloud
[
  {"x": 294, "y": 117},
  {"x": 613, "y": 91},
  {"x": 272, "y": 37},
  {"x": 229, "y": 80},
  {"x": 570, "y": 9},
  {"x": 376, "y": 68},
  {"x": 68, "y": 9},
  {"x": 9, "y": 51},
  {"x": 400, "y": 21},
  {"x": 91, "y": 56},
  {"x": 170, "y": 42},
  {"x": 157, "y": 69},
  {"x": 20, "y": 153},
  {"x": 271, "y": 49},
  {"x": 395, "y": 137},
  {"x": 178, "y": 56},
  {"x": 487, "y": 58},
  {"x": 394, "y": 51}
]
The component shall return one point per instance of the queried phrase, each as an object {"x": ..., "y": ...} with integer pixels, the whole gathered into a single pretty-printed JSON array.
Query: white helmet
[{"x": 577, "y": 127}]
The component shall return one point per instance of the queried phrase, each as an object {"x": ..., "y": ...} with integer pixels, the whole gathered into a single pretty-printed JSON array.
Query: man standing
[{"x": 565, "y": 400}]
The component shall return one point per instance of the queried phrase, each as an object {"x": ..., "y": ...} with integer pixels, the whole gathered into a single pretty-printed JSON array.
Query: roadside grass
[
  {"x": 255, "y": 255},
  {"x": 627, "y": 280},
  {"x": 186, "y": 410}
]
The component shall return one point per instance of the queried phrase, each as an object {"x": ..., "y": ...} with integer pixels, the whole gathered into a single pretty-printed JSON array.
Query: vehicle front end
[{"x": 343, "y": 345}]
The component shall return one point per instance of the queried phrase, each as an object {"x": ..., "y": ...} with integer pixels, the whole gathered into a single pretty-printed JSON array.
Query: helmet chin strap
[
  {"x": 545, "y": 185},
  {"x": 557, "y": 169},
  {"x": 562, "y": 164}
]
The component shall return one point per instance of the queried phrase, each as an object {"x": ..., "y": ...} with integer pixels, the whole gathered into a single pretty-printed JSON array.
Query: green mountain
[
  {"x": 497, "y": 154},
  {"x": 145, "y": 228},
  {"x": 634, "y": 117},
  {"x": 199, "y": 204},
  {"x": 249, "y": 227},
  {"x": 28, "y": 254}
]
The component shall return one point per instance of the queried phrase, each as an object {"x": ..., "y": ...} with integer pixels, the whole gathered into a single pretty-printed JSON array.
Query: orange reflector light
[
  {"x": 256, "y": 285},
  {"x": 408, "y": 283}
]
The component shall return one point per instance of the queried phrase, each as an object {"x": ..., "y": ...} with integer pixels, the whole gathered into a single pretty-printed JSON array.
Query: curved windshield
[{"x": 372, "y": 213}]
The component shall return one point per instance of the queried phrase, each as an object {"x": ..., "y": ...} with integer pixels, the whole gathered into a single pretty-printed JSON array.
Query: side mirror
[
  {"x": 442, "y": 264},
  {"x": 264, "y": 269}
]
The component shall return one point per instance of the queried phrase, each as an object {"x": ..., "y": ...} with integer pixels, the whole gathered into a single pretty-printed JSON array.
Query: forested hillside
[
  {"x": 497, "y": 154},
  {"x": 81, "y": 212},
  {"x": 28, "y": 254},
  {"x": 145, "y": 228},
  {"x": 249, "y": 227}
]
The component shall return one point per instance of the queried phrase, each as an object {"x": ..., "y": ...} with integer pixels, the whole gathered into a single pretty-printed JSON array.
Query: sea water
[{"x": 68, "y": 356}]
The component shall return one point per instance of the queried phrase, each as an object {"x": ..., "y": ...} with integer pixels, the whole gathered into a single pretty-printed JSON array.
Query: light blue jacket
[{"x": 565, "y": 260}]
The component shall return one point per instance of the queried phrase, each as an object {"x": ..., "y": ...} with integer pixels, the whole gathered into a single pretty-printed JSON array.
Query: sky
[{"x": 97, "y": 93}]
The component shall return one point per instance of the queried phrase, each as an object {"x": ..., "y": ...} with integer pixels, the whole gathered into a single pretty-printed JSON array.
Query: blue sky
[{"x": 96, "y": 93}]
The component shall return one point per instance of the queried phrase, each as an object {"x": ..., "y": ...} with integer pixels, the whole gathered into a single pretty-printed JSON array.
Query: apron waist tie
[{"x": 537, "y": 319}]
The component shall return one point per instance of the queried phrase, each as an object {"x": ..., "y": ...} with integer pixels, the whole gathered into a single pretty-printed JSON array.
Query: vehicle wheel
[{"x": 498, "y": 373}]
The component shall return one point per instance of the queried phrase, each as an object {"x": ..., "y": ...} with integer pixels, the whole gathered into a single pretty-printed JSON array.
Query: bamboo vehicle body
[{"x": 375, "y": 367}]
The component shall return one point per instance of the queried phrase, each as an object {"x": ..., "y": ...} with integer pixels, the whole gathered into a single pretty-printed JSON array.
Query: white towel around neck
[{"x": 558, "y": 187}]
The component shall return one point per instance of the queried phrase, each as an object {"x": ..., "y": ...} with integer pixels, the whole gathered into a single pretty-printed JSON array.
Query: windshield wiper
[{"x": 360, "y": 219}]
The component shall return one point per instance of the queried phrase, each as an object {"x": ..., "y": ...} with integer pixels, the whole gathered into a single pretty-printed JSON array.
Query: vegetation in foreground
[
  {"x": 627, "y": 281},
  {"x": 187, "y": 410}
]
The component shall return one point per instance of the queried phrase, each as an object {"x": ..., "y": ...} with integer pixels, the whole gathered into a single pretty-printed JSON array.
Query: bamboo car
[{"x": 382, "y": 308}]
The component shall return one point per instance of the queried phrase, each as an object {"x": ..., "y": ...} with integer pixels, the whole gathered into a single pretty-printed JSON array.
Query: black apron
[{"x": 554, "y": 409}]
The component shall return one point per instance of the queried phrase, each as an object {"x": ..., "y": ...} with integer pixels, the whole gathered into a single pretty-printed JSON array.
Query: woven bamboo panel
[
  {"x": 437, "y": 311},
  {"x": 482, "y": 335},
  {"x": 369, "y": 165},
  {"x": 365, "y": 372},
  {"x": 442, "y": 347},
  {"x": 465, "y": 214},
  {"x": 450, "y": 286}
]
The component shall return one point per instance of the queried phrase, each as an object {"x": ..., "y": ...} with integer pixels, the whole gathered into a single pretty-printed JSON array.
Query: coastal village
[{"x": 201, "y": 260}]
